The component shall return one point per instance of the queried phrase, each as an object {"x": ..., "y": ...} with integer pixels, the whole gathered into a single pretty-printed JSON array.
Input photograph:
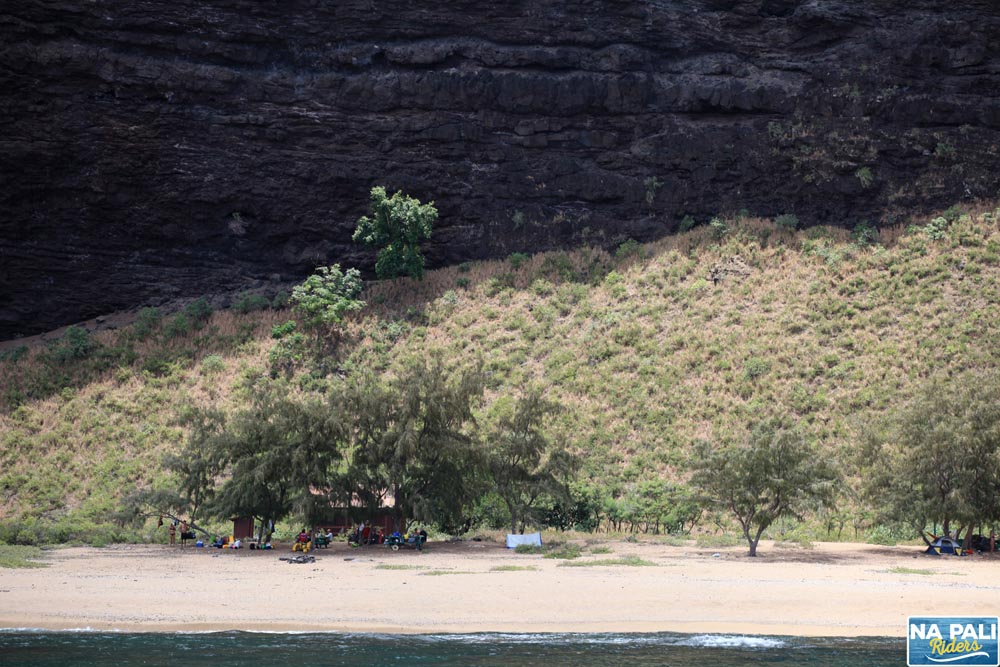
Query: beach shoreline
[{"x": 828, "y": 590}]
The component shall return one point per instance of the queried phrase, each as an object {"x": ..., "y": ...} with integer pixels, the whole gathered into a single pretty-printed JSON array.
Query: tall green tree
[
  {"x": 396, "y": 227},
  {"x": 264, "y": 461},
  {"x": 774, "y": 473},
  {"x": 411, "y": 439},
  {"x": 937, "y": 460},
  {"x": 523, "y": 464}
]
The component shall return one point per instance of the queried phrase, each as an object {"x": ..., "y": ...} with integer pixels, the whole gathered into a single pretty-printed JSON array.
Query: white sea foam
[
  {"x": 732, "y": 641},
  {"x": 43, "y": 630}
]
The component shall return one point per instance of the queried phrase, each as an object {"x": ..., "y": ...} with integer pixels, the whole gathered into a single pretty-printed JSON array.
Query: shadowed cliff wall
[{"x": 159, "y": 150}]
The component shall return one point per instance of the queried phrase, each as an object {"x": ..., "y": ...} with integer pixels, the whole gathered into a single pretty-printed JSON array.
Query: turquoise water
[{"x": 37, "y": 649}]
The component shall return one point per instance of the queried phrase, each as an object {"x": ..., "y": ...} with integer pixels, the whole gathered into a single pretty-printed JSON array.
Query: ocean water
[{"x": 85, "y": 649}]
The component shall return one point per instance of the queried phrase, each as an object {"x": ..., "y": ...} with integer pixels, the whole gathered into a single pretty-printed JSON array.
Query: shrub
[
  {"x": 74, "y": 345},
  {"x": 527, "y": 549},
  {"x": 212, "y": 364},
  {"x": 396, "y": 329},
  {"x": 248, "y": 302},
  {"x": 561, "y": 265},
  {"x": 287, "y": 354},
  {"x": 282, "y": 330},
  {"x": 542, "y": 287},
  {"x": 944, "y": 150},
  {"x": 864, "y": 234},
  {"x": 159, "y": 364},
  {"x": 517, "y": 260},
  {"x": 146, "y": 322},
  {"x": 629, "y": 248},
  {"x": 566, "y": 552},
  {"x": 885, "y": 535},
  {"x": 179, "y": 325},
  {"x": 864, "y": 174},
  {"x": 787, "y": 220},
  {"x": 953, "y": 213},
  {"x": 937, "y": 228},
  {"x": 652, "y": 184},
  {"x": 327, "y": 296},
  {"x": 14, "y": 355},
  {"x": 281, "y": 299},
  {"x": 755, "y": 367},
  {"x": 198, "y": 311},
  {"x": 614, "y": 282},
  {"x": 687, "y": 223}
]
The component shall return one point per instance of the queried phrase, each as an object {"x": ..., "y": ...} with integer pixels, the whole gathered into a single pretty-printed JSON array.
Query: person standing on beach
[{"x": 173, "y": 531}]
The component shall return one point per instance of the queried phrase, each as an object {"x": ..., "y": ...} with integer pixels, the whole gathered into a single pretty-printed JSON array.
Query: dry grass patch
[{"x": 626, "y": 561}]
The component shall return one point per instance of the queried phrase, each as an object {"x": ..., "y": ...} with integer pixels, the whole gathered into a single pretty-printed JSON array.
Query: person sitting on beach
[{"x": 303, "y": 542}]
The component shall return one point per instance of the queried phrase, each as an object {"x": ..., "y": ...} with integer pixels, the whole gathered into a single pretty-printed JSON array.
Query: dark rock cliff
[{"x": 155, "y": 150}]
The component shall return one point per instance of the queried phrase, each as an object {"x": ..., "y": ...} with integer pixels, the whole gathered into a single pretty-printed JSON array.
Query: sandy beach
[{"x": 827, "y": 590}]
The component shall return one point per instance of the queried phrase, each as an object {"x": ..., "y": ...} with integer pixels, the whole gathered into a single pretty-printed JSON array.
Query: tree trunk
[
  {"x": 967, "y": 542},
  {"x": 513, "y": 517},
  {"x": 753, "y": 541}
]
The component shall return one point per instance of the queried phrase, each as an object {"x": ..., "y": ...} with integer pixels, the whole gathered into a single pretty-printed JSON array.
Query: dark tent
[{"x": 944, "y": 545}]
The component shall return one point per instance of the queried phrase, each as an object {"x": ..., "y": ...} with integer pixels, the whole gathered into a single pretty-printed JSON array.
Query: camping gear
[
  {"x": 531, "y": 539},
  {"x": 944, "y": 545},
  {"x": 395, "y": 541},
  {"x": 299, "y": 559}
]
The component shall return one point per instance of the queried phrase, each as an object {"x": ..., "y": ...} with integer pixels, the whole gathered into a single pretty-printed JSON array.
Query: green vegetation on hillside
[
  {"x": 396, "y": 227},
  {"x": 648, "y": 351}
]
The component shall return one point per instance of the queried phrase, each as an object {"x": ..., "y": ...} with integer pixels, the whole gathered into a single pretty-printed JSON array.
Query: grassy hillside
[{"x": 650, "y": 349}]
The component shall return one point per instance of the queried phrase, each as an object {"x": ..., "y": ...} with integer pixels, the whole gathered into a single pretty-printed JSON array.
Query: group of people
[
  {"x": 366, "y": 534},
  {"x": 304, "y": 541},
  {"x": 185, "y": 532}
]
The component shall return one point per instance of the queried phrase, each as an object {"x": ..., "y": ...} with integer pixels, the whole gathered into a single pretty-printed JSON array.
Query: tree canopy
[
  {"x": 411, "y": 439},
  {"x": 326, "y": 297},
  {"x": 269, "y": 456},
  {"x": 774, "y": 473},
  {"x": 523, "y": 466},
  {"x": 937, "y": 460},
  {"x": 396, "y": 227}
]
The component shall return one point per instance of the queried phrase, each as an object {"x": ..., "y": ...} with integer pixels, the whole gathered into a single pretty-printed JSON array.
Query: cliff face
[{"x": 158, "y": 150}]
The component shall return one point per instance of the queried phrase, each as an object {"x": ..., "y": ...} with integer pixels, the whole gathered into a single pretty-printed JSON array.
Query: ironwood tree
[
  {"x": 264, "y": 461},
  {"x": 774, "y": 473},
  {"x": 411, "y": 438},
  {"x": 523, "y": 464},
  {"x": 936, "y": 460}
]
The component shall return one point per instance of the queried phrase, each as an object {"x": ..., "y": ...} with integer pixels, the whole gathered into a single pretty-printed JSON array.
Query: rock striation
[{"x": 153, "y": 151}]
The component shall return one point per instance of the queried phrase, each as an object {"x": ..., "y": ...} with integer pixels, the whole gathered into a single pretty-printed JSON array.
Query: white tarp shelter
[{"x": 532, "y": 539}]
